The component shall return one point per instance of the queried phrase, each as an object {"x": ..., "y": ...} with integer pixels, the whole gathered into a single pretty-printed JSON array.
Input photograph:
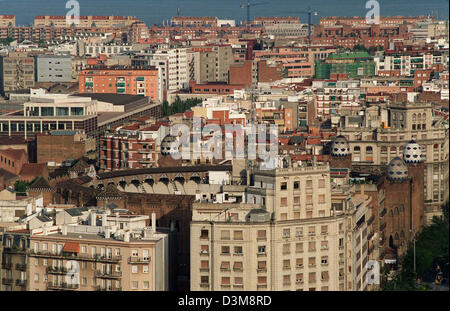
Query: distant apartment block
[
  {"x": 53, "y": 68},
  {"x": 120, "y": 81},
  {"x": 17, "y": 72},
  {"x": 86, "y": 21}
]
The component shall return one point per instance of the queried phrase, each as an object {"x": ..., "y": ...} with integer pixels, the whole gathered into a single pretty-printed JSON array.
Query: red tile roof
[{"x": 33, "y": 169}]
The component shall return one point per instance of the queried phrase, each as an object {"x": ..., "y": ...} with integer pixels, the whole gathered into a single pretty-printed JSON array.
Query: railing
[
  {"x": 20, "y": 282},
  {"x": 139, "y": 260},
  {"x": 109, "y": 274},
  {"x": 14, "y": 250},
  {"x": 21, "y": 267},
  {"x": 63, "y": 255},
  {"x": 62, "y": 286},
  {"x": 56, "y": 270}
]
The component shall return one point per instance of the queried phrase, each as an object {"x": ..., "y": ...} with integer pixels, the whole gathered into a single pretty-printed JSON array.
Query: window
[
  {"x": 146, "y": 285},
  {"x": 324, "y": 260},
  {"x": 203, "y": 234},
  {"x": 312, "y": 246},
  {"x": 262, "y": 265},
  {"x": 134, "y": 269},
  {"x": 286, "y": 233},
  {"x": 225, "y": 280},
  {"x": 286, "y": 264},
  {"x": 325, "y": 275},
  {"x": 297, "y": 200},
  {"x": 283, "y": 186},
  {"x": 238, "y": 266},
  {"x": 321, "y": 198},
  {"x": 321, "y": 183},
  {"x": 299, "y": 232},
  {"x": 144, "y": 268},
  {"x": 299, "y": 262},
  {"x": 134, "y": 253},
  {"x": 204, "y": 249},
  {"x": 134, "y": 285},
  {"x": 204, "y": 279},
  {"x": 36, "y": 277},
  {"x": 309, "y": 199},
  {"x": 283, "y": 202},
  {"x": 204, "y": 264},
  {"x": 312, "y": 277},
  {"x": 262, "y": 249},
  {"x": 312, "y": 231},
  {"x": 262, "y": 280},
  {"x": 309, "y": 184},
  {"x": 238, "y": 280},
  {"x": 225, "y": 265},
  {"x": 286, "y": 280},
  {"x": 312, "y": 261},
  {"x": 225, "y": 235},
  {"x": 238, "y": 235},
  {"x": 299, "y": 278},
  {"x": 283, "y": 216},
  {"x": 262, "y": 234},
  {"x": 286, "y": 248},
  {"x": 225, "y": 250},
  {"x": 324, "y": 229},
  {"x": 296, "y": 184},
  {"x": 238, "y": 250},
  {"x": 299, "y": 247},
  {"x": 324, "y": 244}
]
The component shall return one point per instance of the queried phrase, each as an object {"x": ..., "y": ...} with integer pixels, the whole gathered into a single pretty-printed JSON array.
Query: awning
[{"x": 71, "y": 247}]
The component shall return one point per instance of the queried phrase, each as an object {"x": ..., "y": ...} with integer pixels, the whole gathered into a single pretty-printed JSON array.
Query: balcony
[
  {"x": 61, "y": 286},
  {"x": 261, "y": 254},
  {"x": 56, "y": 270},
  {"x": 7, "y": 266},
  {"x": 144, "y": 151},
  {"x": 139, "y": 260},
  {"x": 21, "y": 267},
  {"x": 107, "y": 288},
  {"x": 20, "y": 282},
  {"x": 261, "y": 270},
  {"x": 14, "y": 250},
  {"x": 204, "y": 253},
  {"x": 108, "y": 274}
]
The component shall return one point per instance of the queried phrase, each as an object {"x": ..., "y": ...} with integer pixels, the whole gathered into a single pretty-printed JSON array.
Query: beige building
[
  {"x": 16, "y": 72},
  {"x": 383, "y": 135},
  {"x": 288, "y": 237},
  {"x": 210, "y": 64}
]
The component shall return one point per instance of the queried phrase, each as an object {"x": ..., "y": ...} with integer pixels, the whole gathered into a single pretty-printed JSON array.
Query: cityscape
[{"x": 211, "y": 153}]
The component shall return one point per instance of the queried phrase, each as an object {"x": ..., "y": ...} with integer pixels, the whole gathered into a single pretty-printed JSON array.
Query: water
[{"x": 155, "y": 11}]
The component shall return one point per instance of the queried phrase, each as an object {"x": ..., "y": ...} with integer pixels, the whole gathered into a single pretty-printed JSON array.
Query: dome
[
  {"x": 412, "y": 153},
  {"x": 340, "y": 147},
  {"x": 397, "y": 169},
  {"x": 169, "y": 145}
]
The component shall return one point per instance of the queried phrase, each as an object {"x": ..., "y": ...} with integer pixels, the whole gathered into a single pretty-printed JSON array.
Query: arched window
[
  {"x": 414, "y": 117},
  {"x": 369, "y": 150},
  {"x": 396, "y": 211},
  {"x": 383, "y": 150},
  {"x": 391, "y": 242},
  {"x": 396, "y": 236},
  {"x": 357, "y": 149},
  {"x": 393, "y": 150},
  {"x": 391, "y": 213}
]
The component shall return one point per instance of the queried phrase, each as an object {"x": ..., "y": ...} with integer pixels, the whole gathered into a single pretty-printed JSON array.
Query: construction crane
[{"x": 248, "y": 5}]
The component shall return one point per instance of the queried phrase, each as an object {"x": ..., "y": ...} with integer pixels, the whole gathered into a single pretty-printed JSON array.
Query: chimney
[
  {"x": 107, "y": 233},
  {"x": 104, "y": 220},
  {"x": 93, "y": 219},
  {"x": 153, "y": 222}
]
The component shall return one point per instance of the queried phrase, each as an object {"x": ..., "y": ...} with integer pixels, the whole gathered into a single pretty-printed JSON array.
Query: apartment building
[
  {"x": 86, "y": 250},
  {"x": 210, "y": 63},
  {"x": 53, "y": 68},
  {"x": 173, "y": 63},
  {"x": 17, "y": 72},
  {"x": 86, "y": 21},
  {"x": 286, "y": 237},
  {"x": 383, "y": 135},
  {"x": 7, "y": 20},
  {"x": 121, "y": 81},
  {"x": 331, "y": 96}
]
